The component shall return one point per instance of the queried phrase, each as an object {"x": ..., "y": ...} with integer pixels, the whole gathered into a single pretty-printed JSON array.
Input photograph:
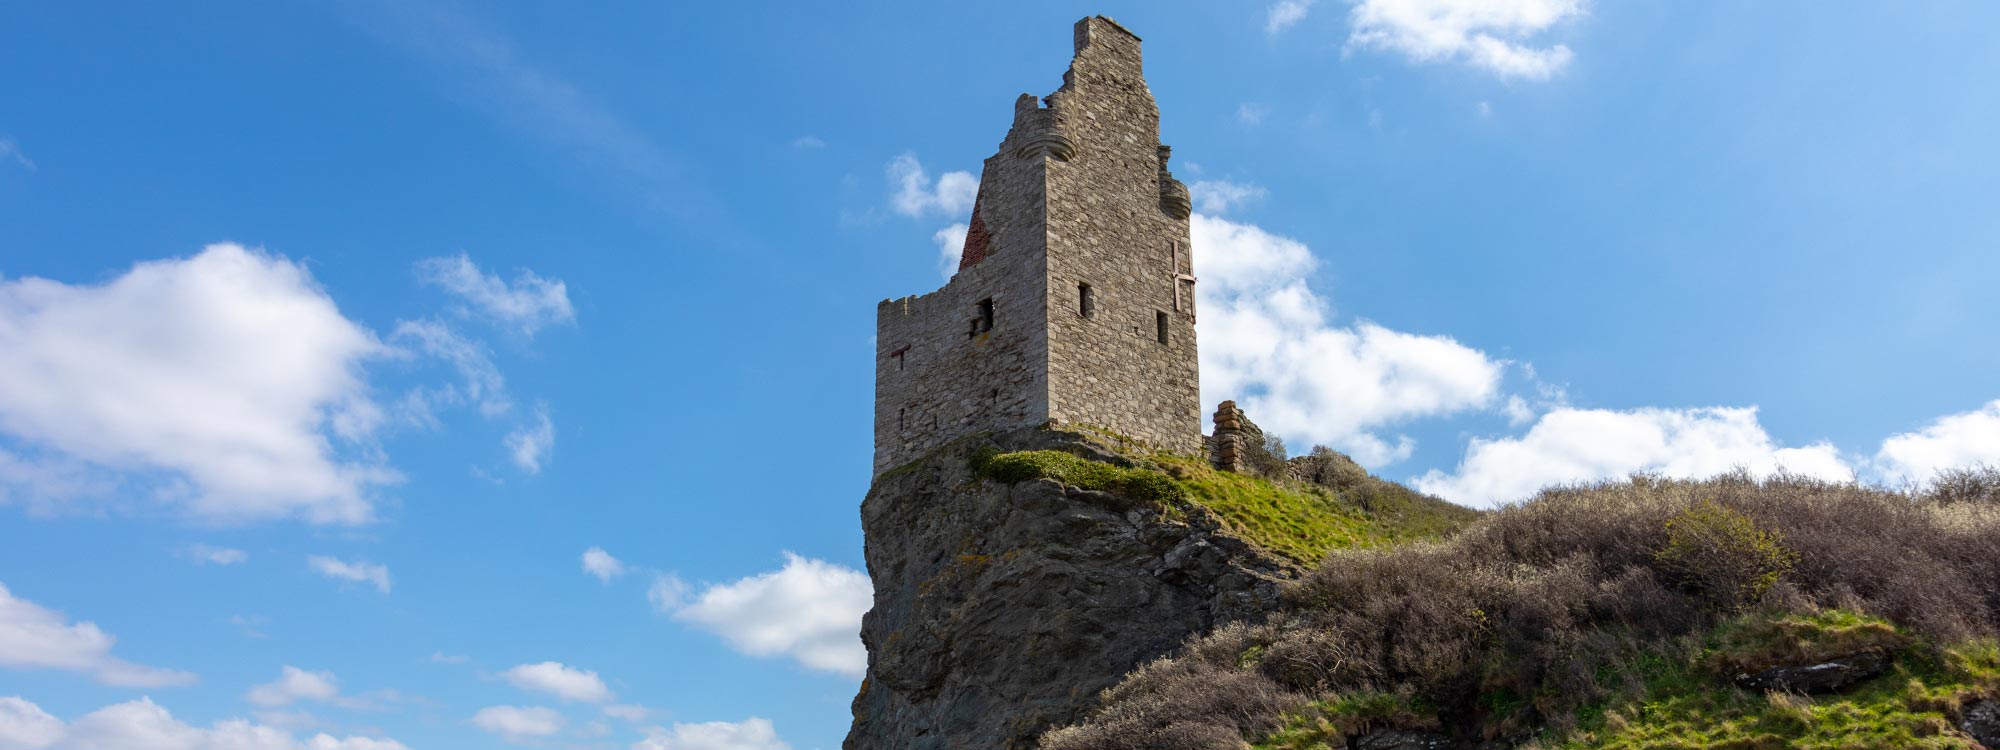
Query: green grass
[
  {"x": 1326, "y": 724},
  {"x": 1304, "y": 522},
  {"x": 1687, "y": 703},
  {"x": 1135, "y": 483},
  {"x": 1301, "y": 522}
]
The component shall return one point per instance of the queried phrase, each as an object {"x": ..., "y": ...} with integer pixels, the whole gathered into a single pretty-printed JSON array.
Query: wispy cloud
[
  {"x": 11, "y": 151},
  {"x": 530, "y": 444},
  {"x": 359, "y": 571},
  {"x": 527, "y": 305},
  {"x": 484, "y": 68},
  {"x": 1284, "y": 13}
]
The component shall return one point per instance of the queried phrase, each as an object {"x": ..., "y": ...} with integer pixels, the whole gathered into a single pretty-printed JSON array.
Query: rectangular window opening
[
  {"x": 1086, "y": 301},
  {"x": 984, "y": 321},
  {"x": 1160, "y": 321}
]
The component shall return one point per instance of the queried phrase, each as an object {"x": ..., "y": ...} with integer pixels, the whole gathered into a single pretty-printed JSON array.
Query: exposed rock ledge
[{"x": 1002, "y": 610}]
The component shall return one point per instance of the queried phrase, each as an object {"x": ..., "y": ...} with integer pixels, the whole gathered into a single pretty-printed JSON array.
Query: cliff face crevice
[{"x": 1002, "y": 610}]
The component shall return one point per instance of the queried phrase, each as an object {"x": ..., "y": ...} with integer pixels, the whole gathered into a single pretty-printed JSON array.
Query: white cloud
[
  {"x": 1267, "y": 343},
  {"x": 564, "y": 682},
  {"x": 293, "y": 685},
  {"x": 440, "y": 657},
  {"x": 35, "y": 637},
  {"x": 916, "y": 195},
  {"x": 204, "y": 554},
  {"x": 809, "y": 610},
  {"x": 1251, "y": 113},
  {"x": 1490, "y": 34},
  {"x": 527, "y": 305},
  {"x": 951, "y": 245},
  {"x": 517, "y": 723},
  {"x": 599, "y": 563},
  {"x": 26, "y": 725},
  {"x": 1284, "y": 13},
  {"x": 144, "y": 725},
  {"x": 1953, "y": 441},
  {"x": 359, "y": 571},
  {"x": 627, "y": 711},
  {"x": 11, "y": 151},
  {"x": 750, "y": 734},
  {"x": 808, "y": 142},
  {"x": 667, "y": 593},
  {"x": 483, "y": 385},
  {"x": 1218, "y": 196},
  {"x": 229, "y": 380},
  {"x": 530, "y": 445},
  {"x": 1581, "y": 445}
]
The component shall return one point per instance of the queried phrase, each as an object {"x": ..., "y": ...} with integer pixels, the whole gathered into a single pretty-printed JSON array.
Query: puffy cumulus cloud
[
  {"x": 36, "y": 637},
  {"x": 951, "y": 245},
  {"x": 359, "y": 571},
  {"x": 229, "y": 380},
  {"x": 1952, "y": 441},
  {"x": 1218, "y": 196},
  {"x": 518, "y": 723},
  {"x": 750, "y": 734},
  {"x": 915, "y": 194},
  {"x": 528, "y": 304},
  {"x": 1580, "y": 445},
  {"x": 144, "y": 724},
  {"x": 530, "y": 444},
  {"x": 1267, "y": 342},
  {"x": 809, "y": 610},
  {"x": 26, "y": 725},
  {"x": 557, "y": 679},
  {"x": 1491, "y": 34},
  {"x": 1282, "y": 14},
  {"x": 599, "y": 563},
  {"x": 293, "y": 685}
]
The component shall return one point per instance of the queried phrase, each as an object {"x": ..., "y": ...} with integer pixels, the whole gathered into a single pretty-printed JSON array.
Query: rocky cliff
[{"x": 1001, "y": 610}]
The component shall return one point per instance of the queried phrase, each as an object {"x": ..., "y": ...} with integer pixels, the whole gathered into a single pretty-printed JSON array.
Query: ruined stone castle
[{"x": 1073, "y": 303}]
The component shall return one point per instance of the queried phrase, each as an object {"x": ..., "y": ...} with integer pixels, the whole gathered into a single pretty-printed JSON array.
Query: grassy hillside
[
  {"x": 1299, "y": 520},
  {"x": 1619, "y": 615}
]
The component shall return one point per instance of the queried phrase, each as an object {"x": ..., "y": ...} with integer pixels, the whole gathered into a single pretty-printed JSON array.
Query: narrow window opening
[
  {"x": 982, "y": 322},
  {"x": 1160, "y": 321},
  {"x": 1086, "y": 301},
  {"x": 903, "y": 418},
  {"x": 898, "y": 355}
]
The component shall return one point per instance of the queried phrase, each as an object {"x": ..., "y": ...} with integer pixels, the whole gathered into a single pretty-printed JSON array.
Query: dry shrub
[
  {"x": 1972, "y": 485},
  {"x": 1550, "y": 605},
  {"x": 1723, "y": 555}
]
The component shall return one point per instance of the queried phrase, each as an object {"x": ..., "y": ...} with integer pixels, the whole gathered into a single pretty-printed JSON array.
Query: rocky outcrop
[
  {"x": 1982, "y": 721},
  {"x": 1002, "y": 610},
  {"x": 1829, "y": 676}
]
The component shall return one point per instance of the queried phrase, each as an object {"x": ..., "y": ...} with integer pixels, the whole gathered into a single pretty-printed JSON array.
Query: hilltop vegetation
[
  {"x": 1299, "y": 520},
  {"x": 1646, "y": 613}
]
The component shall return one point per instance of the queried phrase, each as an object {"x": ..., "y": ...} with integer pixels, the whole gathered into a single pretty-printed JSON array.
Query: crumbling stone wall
[{"x": 1078, "y": 196}]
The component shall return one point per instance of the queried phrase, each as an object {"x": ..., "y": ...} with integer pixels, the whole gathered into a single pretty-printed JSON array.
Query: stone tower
[{"x": 1074, "y": 298}]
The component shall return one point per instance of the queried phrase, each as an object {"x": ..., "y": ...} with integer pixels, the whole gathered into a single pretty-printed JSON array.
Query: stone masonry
[{"x": 1074, "y": 299}]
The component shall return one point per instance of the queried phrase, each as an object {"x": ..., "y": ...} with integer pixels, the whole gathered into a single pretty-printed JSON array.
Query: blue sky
[{"x": 438, "y": 375}]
